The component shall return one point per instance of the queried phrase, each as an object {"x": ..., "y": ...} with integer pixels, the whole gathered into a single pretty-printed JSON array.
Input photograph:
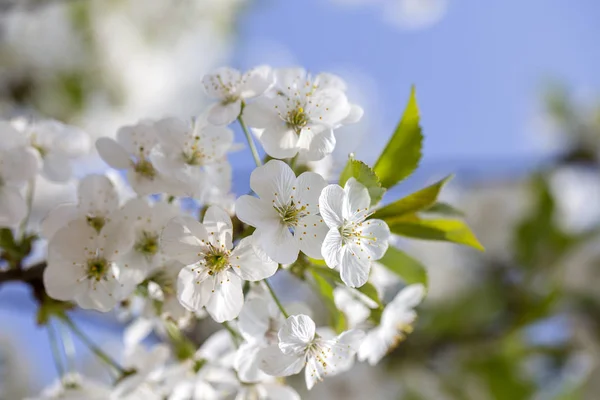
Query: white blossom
[
  {"x": 58, "y": 145},
  {"x": 131, "y": 152},
  {"x": 396, "y": 321},
  {"x": 300, "y": 346},
  {"x": 97, "y": 200},
  {"x": 19, "y": 164},
  {"x": 193, "y": 154},
  {"x": 353, "y": 241},
  {"x": 82, "y": 265},
  {"x": 214, "y": 268},
  {"x": 231, "y": 88},
  {"x": 286, "y": 212},
  {"x": 73, "y": 386},
  {"x": 301, "y": 114}
]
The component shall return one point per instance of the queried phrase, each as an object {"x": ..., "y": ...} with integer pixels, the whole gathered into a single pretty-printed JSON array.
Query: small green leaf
[
  {"x": 445, "y": 209},
  {"x": 365, "y": 175},
  {"x": 417, "y": 201},
  {"x": 402, "y": 154},
  {"x": 337, "y": 318},
  {"x": 410, "y": 270},
  {"x": 449, "y": 230}
]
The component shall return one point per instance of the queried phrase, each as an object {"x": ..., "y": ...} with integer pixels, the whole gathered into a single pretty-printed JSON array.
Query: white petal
[
  {"x": 255, "y": 212},
  {"x": 262, "y": 113},
  {"x": 194, "y": 288},
  {"x": 253, "y": 321},
  {"x": 97, "y": 196},
  {"x": 375, "y": 234},
  {"x": 296, "y": 334},
  {"x": 277, "y": 391},
  {"x": 247, "y": 362},
  {"x": 331, "y": 205},
  {"x": 357, "y": 200},
  {"x": 308, "y": 188},
  {"x": 218, "y": 83},
  {"x": 410, "y": 297},
  {"x": 332, "y": 248},
  {"x": 218, "y": 225},
  {"x": 279, "y": 141},
  {"x": 73, "y": 243},
  {"x": 373, "y": 347},
  {"x": 173, "y": 132},
  {"x": 184, "y": 239},
  {"x": 354, "y": 266},
  {"x": 116, "y": 238},
  {"x": 256, "y": 81},
  {"x": 321, "y": 145},
  {"x": 250, "y": 263},
  {"x": 329, "y": 106},
  {"x": 63, "y": 280},
  {"x": 355, "y": 115},
  {"x": 311, "y": 232},
  {"x": 10, "y": 138},
  {"x": 275, "y": 363},
  {"x": 112, "y": 153},
  {"x": 224, "y": 114},
  {"x": 273, "y": 181},
  {"x": 226, "y": 302},
  {"x": 214, "y": 141},
  {"x": 138, "y": 140},
  {"x": 277, "y": 242},
  {"x": 289, "y": 77},
  {"x": 100, "y": 295},
  {"x": 13, "y": 207},
  {"x": 57, "y": 167},
  {"x": 57, "y": 218},
  {"x": 19, "y": 165},
  {"x": 137, "y": 331}
]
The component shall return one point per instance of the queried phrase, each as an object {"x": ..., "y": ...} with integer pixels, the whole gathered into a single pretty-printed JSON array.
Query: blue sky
[{"x": 479, "y": 71}]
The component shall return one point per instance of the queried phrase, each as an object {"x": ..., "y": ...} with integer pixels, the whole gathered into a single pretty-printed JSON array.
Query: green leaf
[
  {"x": 449, "y": 230},
  {"x": 402, "y": 154},
  {"x": 365, "y": 175},
  {"x": 445, "y": 209},
  {"x": 325, "y": 289},
  {"x": 367, "y": 289},
  {"x": 410, "y": 270},
  {"x": 417, "y": 201}
]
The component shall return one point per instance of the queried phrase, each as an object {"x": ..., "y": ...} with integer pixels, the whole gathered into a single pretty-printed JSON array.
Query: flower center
[
  {"x": 148, "y": 244},
  {"x": 144, "y": 168},
  {"x": 195, "y": 156},
  {"x": 216, "y": 259},
  {"x": 291, "y": 214},
  {"x": 96, "y": 222},
  {"x": 297, "y": 119},
  {"x": 96, "y": 268}
]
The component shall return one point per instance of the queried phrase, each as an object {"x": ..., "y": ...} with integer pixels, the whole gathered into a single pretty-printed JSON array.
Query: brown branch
[{"x": 29, "y": 275}]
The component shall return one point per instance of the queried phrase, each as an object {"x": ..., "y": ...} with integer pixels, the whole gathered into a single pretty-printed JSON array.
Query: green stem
[
  {"x": 95, "y": 349},
  {"x": 29, "y": 200},
  {"x": 68, "y": 347},
  {"x": 285, "y": 314},
  {"x": 234, "y": 335},
  {"x": 60, "y": 370},
  {"x": 250, "y": 141}
]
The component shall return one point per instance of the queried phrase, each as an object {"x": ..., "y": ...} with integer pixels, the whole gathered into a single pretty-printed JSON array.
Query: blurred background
[{"x": 510, "y": 98}]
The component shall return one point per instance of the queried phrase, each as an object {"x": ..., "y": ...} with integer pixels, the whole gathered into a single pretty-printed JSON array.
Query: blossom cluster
[{"x": 185, "y": 248}]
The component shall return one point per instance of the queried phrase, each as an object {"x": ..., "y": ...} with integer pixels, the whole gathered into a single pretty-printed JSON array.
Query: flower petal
[
  {"x": 57, "y": 218},
  {"x": 256, "y": 81},
  {"x": 250, "y": 263},
  {"x": 311, "y": 232},
  {"x": 375, "y": 233},
  {"x": 13, "y": 207},
  {"x": 275, "y": 363},
  {"x": 296, "y": 334},
  {"x": 262, "y": 113},
  {"x": 226, "y": 302},
  {"x": 194, "y": 288},
  {"x": 356, "y": 200},
  {"x": 255, "y": 212},
  {"x": 277, "y": 242},
  {"x": 218, "y": 225},
  {"x": 279, "y": 141},
  {"x": 224, "y": 113},
  {"x": 309, "y": 186},
  {"x": 273, "y": 181},
  {"x": 332, "y": 248},
  {"x": 57, "y": 167},
  {"x": 97, "y": 196},
  {"x": 253, "y": 321},
  {"x": 184, "y": 239},
  {"x": 354, "y": 266},
  {"x": 113, "y": 153},
  {"x": 331, "y": 205}
]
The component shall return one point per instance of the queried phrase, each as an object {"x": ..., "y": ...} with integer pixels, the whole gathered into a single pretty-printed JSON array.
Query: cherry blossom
[
  {"x": 286, "y": 212},
  {"x": 353, "y": 241},
  {"x": 214, "y": 268}
]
